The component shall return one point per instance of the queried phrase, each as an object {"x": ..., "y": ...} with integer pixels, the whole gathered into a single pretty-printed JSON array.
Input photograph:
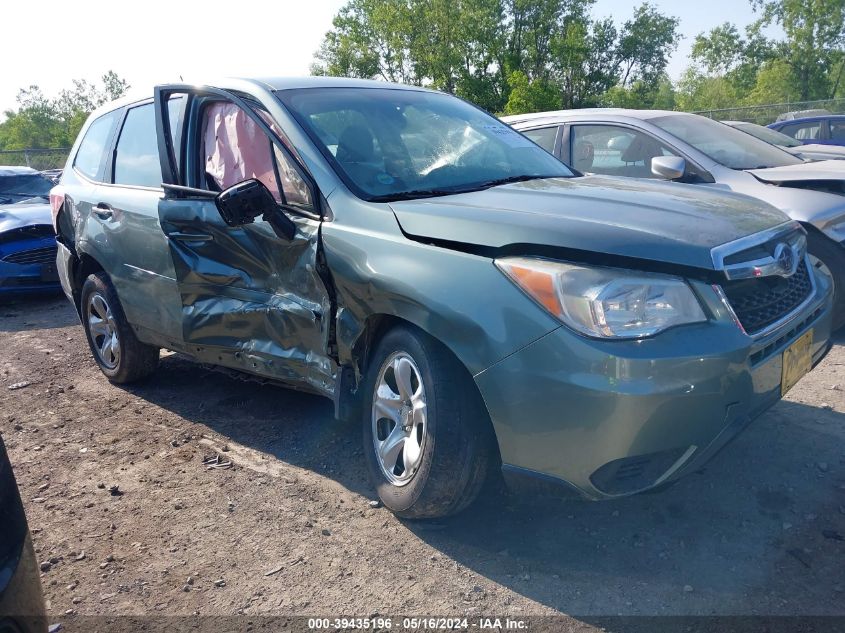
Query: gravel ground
[{"x": 129, "y": 520}]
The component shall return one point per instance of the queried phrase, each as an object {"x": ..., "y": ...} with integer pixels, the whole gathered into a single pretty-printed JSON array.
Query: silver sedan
[{"x": 693, "y": 149}]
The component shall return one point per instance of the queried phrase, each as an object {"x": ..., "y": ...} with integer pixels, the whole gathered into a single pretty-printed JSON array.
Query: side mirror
[
  {"x": 240, "y": 204},
  {"x": 668, "y": 167}
]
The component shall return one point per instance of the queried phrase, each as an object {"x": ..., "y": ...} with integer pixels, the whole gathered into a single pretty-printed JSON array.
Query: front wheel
[
  {"x": 427, "y": 436},
  {"x": 830, "y": 258},
  {"x": 118, "y": 352}
]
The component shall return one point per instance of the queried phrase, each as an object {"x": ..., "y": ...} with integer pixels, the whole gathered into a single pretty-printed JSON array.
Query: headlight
[{"x": 605, "y": 302}]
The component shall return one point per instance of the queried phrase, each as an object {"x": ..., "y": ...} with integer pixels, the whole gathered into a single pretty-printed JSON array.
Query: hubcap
[
  {"x": 103, "y": 330},
  {"x": 399, "y": 418}
]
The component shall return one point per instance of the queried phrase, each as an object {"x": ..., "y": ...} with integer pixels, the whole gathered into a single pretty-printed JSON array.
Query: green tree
[
  {"x": 549, "y": 51},
  {"x": 530, "y": 95},
  {"x": 804, "y": 65},
  {"x": 41, "y": 122},
  {"x": 645, "y": 44},
  {"x": 776, "y": 83},
  {"x": 698, "y": 91},
  {"x": 815, "y": 36}
]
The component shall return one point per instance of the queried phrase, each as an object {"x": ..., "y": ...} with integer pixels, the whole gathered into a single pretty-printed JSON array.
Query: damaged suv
[{"x": 471, "y": 299}]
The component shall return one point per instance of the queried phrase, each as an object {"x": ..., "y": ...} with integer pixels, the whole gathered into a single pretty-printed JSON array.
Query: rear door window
[
  {"x": 136, "y": 159},
  {"x": 91, "y": 154}
]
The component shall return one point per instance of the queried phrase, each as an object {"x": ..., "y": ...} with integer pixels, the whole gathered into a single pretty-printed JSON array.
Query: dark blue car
[
  {"x": 27, "y": 238},
  {"x": 828, "y": 129}
]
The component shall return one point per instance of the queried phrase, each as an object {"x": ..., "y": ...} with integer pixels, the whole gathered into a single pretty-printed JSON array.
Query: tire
[
  {"x": 449, "y": 448},
  {"x": 116, "y": 349},
  {"x": 832, "y": 256}
]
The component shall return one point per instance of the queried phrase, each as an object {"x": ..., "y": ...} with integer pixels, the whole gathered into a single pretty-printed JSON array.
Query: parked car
[
  {"x": 468, "y": 297},
  {"x": 693, "y": 149},
  {"x": 789, "y": 144},
  {"x": 27, "y": 238},
  {"x": 21, "y": 600},
  {"x": 827, "y": 129}
]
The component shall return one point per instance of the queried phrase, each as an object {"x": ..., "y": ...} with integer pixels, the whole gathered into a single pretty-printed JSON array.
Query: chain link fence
[
  {"x": 765, "y": 114},
  {"x": 40, "y": 159}
]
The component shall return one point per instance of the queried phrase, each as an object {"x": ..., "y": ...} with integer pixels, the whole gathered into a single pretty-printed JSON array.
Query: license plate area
[{"x": 797, "y": 361}]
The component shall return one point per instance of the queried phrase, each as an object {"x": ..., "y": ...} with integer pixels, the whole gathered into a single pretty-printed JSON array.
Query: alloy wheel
[
  {"x": 103, "y": 330},
  {"x": 399, "y": 418}
]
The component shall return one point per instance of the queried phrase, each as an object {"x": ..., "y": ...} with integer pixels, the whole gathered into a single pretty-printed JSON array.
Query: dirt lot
[{"x": 290, "y": 528}]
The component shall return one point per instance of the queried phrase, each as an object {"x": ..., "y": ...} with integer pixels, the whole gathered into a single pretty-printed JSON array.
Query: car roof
[
  {"x": 619, "y": 113},
  {"x": 818, "y": 117},
  {"x": 16, "y": 170},
  {"x": 294, "y": 83},
  {"x": 265, "y": 83}
]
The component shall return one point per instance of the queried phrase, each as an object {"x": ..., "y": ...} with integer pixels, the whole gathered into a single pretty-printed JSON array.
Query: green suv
[{"x": 474, "y": 302}]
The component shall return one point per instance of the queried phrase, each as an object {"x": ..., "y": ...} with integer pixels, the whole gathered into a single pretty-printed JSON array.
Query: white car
[{"x": 693, "y": 149}]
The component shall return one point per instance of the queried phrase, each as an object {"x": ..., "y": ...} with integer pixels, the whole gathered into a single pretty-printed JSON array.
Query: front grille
[
  {"x": 43, "y": 255},
  {"x": 759, "y": 302}
]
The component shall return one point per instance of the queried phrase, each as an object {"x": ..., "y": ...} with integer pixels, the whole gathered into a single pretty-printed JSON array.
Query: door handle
[
  {"x": 191, "y": 237},
  {"x": 103, "y": 211}
]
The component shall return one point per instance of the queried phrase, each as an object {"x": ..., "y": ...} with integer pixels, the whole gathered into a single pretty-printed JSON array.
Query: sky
[{"x": 158, "y": 41}]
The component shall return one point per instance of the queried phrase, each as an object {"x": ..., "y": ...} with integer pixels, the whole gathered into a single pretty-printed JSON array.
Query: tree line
[
  {"x": 514, "y": 56},
  {"x": 41, "y": 121}
]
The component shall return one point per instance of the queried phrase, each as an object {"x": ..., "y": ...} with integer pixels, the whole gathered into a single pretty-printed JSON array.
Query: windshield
[
  {"x": 23, "y": 186},
  {"x": 390, "y": 144},
  {"x": 724, "y": 144},
  {"x": 767, "y": 134}
]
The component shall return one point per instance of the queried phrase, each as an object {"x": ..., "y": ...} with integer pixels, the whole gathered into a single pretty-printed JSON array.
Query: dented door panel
[{"x": 250, "y": 300}]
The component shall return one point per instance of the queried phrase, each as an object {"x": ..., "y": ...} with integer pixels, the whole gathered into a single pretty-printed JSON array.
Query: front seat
[{"x": 641, "y": 150}]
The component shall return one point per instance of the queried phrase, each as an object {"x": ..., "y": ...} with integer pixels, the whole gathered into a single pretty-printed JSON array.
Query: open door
[{"x": 252, "y": 297}]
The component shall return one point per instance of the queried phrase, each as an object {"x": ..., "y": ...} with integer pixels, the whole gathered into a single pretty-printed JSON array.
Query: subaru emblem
[{"x": 787, "y": 259}]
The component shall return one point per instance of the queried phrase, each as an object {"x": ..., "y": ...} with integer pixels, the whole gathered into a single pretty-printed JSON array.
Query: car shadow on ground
[
  {"x": 757, "y": 531},
  {"x": 43, "y": 311}
]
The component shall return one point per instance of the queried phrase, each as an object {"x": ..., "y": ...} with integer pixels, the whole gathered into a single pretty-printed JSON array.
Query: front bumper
[
  {"x": 612, "y": 418},
  {"x": 28, "y": 266}
]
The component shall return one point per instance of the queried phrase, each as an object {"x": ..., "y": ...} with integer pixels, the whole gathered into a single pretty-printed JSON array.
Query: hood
[
  {"x": 821, "y": 152},
  {"x": 624, "y": 217},
  {"x": 16, "y": 216},
  {"x": 803, "y": 172}
]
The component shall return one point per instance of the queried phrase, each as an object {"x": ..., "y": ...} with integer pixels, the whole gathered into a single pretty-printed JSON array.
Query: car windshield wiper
[
  {"x": 505, "y": 181},
  {"x": 430, "y": 193},
  {"x": 414, "y": 194}
]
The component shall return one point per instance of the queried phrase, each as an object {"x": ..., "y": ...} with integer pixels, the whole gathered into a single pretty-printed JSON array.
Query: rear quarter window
[
  {"x": 92, "y": 150},
  {"x": 544, "y": 137}
]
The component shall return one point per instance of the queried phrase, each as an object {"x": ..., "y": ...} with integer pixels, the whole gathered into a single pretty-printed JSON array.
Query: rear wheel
[
  {"x": 118, "y": 352},
  {"x": 427, "y": 437},
  {"x": 830, "y": 257}
]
